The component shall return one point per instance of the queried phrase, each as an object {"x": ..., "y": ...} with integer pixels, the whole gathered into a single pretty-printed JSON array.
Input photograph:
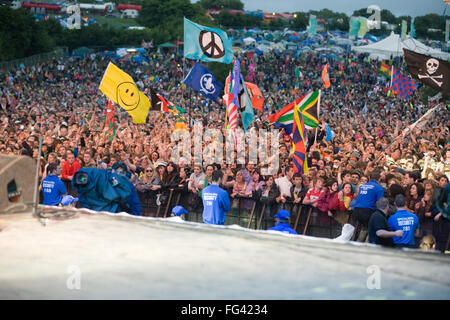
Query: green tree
[
  {"x": 222, "y": 4},
  {"x": 21, "y": 35},
  {"x": 167, "y": 17},
  {"x": 300, "y": 21}
]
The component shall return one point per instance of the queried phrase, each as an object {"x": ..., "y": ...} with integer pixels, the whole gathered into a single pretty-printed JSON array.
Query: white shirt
[{"x": 284, "y": 184}]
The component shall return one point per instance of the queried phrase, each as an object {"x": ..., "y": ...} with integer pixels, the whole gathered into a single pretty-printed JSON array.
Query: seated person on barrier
[
  {"x": 282, "y": 222},
  {"x": 52, "y": 187},
  {"x": 215, "y": 201}
]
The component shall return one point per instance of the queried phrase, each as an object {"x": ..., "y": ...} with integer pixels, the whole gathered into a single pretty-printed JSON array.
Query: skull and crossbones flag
[{"x": 429, "y": 70}]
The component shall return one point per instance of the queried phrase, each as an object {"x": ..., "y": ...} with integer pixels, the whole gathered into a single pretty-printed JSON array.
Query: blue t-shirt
[
  {"x": 53, "y": 189},
  {"x": 368, "y": 195},
  {"x": 215, "y": 203},
  {"x": 283, "y": 227},
  {"x": 406, "y": 221}
]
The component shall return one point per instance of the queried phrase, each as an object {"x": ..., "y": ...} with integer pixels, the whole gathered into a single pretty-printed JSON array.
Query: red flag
[
  {"x": 325, "y": 77},
  {"x": 109, "y": 121}
]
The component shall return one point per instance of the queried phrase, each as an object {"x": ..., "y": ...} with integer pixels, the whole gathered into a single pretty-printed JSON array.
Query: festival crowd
[{"x": 61, "y": 101}]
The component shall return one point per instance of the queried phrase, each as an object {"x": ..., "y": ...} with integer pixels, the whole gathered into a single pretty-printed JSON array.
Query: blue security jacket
[
  {"x": 283, "y": 227},
  {"x": 215, "y": 203},
  {"x": 105, "y": 190},
  {"x": 53, "y": 189},
  {"x": 368, "y": 195},
  {"x": 406, "y": 221}
]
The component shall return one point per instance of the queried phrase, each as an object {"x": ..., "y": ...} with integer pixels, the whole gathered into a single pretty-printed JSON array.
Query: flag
[
  {"x": 285, "y": 117},
  {"x": 118, "y": 86},
  {"x": 202, "y": 80},
  {"x": 431, "y": 71},
  {"x": 329, "y": 134},
  {"x": 402, "y": 85},
  {"x": 419, "y": 123},
  {"x": 404, "y": 28},
  {"x": 299, "y": 136},
  {"x": 231, "y": 98},
  {"x": 354, "y": 27},
  {"x": 363, "y": 27},
  {"x": 385, "y": 70},
  {"x": 312, "y": 28},
  {"x": 309, "y": 109},
  {"x": 254, "y": 93},
  {"x": 412, "y": 33},
  {"x": 158, "y": 102},
  {"x": 109, "y": 117},
  {"x": 174, "y": 108},
  {"x": 206, "y": 44},
  {"x": 256, "y": 97},
  {"x": 247, "y": 115},
  {"x": 325, "y": 77}
]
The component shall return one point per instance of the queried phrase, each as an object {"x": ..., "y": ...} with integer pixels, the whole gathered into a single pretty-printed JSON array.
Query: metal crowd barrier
[{"x": 252, "y": 214}]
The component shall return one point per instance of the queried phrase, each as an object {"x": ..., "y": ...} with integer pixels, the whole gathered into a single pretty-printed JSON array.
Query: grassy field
[{"x": 115, "y": 22}]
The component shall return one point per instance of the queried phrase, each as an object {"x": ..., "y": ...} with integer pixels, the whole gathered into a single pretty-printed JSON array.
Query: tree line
[{"x": 22, "y": 36}]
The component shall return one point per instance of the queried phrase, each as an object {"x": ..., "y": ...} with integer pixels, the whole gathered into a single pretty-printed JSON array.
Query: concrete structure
[{"x": 106, "y": 256}]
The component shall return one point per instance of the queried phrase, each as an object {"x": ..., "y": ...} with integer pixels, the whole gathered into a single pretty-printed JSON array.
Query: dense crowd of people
[{"x": 60, "y": 100}]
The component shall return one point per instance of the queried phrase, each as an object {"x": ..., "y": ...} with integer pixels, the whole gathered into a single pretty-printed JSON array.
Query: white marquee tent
[{"x": 392, "y": 47}]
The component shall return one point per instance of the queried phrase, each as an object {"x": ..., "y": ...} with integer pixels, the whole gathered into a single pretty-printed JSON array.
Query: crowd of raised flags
[{"x": 207, "y": 44}]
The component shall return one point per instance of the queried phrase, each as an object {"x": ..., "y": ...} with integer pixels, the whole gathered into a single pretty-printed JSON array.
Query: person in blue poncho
[
  {"x": 282, "y": 220},
  {"x": 134, "y": 204},
  {"x": 215, "y": 201}
]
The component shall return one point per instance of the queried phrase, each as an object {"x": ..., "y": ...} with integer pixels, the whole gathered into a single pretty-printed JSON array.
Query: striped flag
[
  {"x": 309, "y": 109},
  {"x": 299, "y": 138},
  {"x": 231, "y": 99},
  {"x": 385, "y": 70}
]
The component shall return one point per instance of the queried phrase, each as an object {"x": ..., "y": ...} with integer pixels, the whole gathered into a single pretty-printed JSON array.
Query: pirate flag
[{"x": 431, "y": 71}]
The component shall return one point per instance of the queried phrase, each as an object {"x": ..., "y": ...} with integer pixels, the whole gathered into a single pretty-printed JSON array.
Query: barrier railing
[{"x": 250, "y": 213}]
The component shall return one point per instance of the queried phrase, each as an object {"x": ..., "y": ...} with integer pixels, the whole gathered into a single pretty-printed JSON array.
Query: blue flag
[
  {"x": 206, "y": 44},
  {"x": 202, "y": 80},
  {"x": 247, "y": 115}
]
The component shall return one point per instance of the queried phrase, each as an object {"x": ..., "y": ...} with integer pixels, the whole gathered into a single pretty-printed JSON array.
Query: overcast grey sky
[{"x": 397, "y": 7}]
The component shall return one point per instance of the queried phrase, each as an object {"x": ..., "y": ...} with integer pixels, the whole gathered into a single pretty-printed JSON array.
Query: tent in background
[{"x": 392, "y": 46}]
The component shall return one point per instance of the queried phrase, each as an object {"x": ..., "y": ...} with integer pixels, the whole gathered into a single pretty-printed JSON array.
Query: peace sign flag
[{"x": 206, "y": 44}]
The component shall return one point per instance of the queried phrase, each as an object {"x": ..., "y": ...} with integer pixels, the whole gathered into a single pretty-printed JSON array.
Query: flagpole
[
  {"x": 411, "y": 127},
  {"x": 318, "y": 112}
]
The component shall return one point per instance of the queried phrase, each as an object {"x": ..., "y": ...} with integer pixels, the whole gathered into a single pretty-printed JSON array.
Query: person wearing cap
[
  {"x": 215, "y": 201},
  {"x": 282, "y": 222},
  {"x": 134, "y": 206},
  {"x": 179, "y": 211}
]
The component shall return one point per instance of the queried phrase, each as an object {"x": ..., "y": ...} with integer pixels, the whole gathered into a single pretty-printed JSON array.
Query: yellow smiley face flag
[{"x": 118, "y": 86}]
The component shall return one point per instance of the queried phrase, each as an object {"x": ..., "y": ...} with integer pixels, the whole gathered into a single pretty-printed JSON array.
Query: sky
[{"x": 397, "y": 7}]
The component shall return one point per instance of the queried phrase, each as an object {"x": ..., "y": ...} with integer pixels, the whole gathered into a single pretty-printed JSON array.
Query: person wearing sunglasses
[{"x": 146, "y": 187}]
